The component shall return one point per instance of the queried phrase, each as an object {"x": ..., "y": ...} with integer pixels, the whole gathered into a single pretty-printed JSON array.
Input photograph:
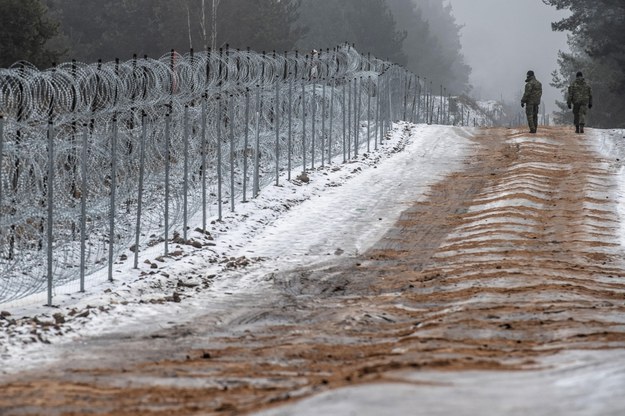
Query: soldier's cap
[
  {"x": 579, "y": 74},
  {"x": 530, "y": 73}
]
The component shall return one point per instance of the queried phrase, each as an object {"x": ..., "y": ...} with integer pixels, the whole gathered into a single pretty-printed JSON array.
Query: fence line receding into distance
[{"x": 101, "y": 158}]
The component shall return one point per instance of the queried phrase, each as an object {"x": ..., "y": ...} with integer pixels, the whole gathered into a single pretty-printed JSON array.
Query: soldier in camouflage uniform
[
  {"x": 580, "y": 96},
  {"x": 531, "y": 100}
]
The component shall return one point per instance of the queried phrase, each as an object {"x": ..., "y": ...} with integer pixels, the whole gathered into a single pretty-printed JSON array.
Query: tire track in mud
[
  {"x": 533, "y": 264},
  {"x": 512, "y": 258}
]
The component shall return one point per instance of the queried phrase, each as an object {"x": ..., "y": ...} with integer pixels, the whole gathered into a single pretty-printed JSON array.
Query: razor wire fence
[{"x": 97, "y": 159}]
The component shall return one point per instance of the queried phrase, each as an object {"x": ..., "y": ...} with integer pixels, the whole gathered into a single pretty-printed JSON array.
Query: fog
[{"x": 503, "y": 39}]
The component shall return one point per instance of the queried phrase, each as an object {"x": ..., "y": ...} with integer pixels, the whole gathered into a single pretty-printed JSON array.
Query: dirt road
[{"x": 508, "y": 261}]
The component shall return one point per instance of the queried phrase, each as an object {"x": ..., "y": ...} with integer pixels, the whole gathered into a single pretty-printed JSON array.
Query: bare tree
[
  {"x": 203, "y": 25},
  {"x": 189, "y": 26},
  {"x": 202, "y": 20},
  {"x": 214, "y": 24}
]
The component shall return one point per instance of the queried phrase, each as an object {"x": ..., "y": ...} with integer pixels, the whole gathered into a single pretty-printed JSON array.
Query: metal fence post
[
  {"x": 246, "y": 138},
  {"x": 389, "y": 95},
  {"x": 290, "y": 138},
  {"x": 418, "y": 100},
  {"x": 303, "y": 125},
  {"x": 369, "y": 114},
  {"x": 332, "y": 90},
  {"x": 313, "y": 124},
  {"x": 113, "y": 195},
  {"x": 259, "y": 108},
  {"x": 185, "y": 180},
  {"x": 219, "y": 172},
  {"x": 448, "y": 109},
  {"x": 378, "y": 90},
  {"x": 441, "y": 107},
  {"x": 203, "y": 151},
  {"x": 231, "y": 122},
  {"x": 406, "y": 88},
  {"x": 383, "y": 108},
  {"x": 414, "y": 103},
  {"x": 83, "y": 208},
  {"x": 167, "y": 173},
  {"x": 357, "y": 110},
  {"x": 432, "y": 102},
  {"x": 50, "y": 203},
  {"x": 276, "y": 119},
  {"x": 140, "y": 194},
  {"x": 344, "y": 105},
  {"x": 349, "y": 120},
  {"x": 462, "y": 116},
  {"x": 323, "y": 123},
  {"x": 426, "y": 101}
]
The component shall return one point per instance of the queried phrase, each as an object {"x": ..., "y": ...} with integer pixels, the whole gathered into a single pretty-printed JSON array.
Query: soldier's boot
[
  {"x": 577, "y": 128},
  {"x": 581, "y": 128}
]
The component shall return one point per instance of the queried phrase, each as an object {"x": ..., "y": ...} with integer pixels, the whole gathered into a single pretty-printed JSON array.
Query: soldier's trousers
[
  {"x": 531, "y": 110},
  {"x": 579, "y": 114}
]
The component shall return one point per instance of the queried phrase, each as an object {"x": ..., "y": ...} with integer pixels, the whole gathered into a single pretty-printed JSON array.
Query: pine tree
[
  {"x": 109, "y": 29},
  {"x": 25, "y": 30},
  {"x": 369, "y": 24},
  {"x": 259, "y": 24},
  {"x": 597, "y": 40},
  {"x": 423, "y": 51},
  {"x": 447, "y": 63}
]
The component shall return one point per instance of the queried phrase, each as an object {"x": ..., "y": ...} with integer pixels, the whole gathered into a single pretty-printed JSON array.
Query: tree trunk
[{"x": 214, "y": 24}]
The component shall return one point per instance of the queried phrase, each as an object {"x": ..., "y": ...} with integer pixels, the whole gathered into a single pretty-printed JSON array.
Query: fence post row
[{"x": 101, "y": 189}]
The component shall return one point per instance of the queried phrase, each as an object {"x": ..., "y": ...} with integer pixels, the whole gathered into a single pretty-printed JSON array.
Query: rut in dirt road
[
  {"x": 514, "y": 257},
  {"x": 532, "y": 262}
]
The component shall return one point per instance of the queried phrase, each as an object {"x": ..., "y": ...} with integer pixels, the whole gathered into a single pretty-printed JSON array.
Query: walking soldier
[{"x": 580, "y": 99}]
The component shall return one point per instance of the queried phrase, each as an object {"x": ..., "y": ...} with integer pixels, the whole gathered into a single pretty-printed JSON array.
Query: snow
[
  {"x": 290, "y": 225},
  {"x": 576, "y": 383},
  {"x": 347, "y": 217},
  {"x": 342, "y": 211},
  {"x": 611, "y": 145}
]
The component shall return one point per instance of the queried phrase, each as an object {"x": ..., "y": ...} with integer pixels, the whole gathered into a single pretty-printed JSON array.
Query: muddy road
[{"x": 512, "y": 259}]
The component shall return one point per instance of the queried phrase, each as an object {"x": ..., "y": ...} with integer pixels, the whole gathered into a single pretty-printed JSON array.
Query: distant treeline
[
  {"x": 419, "y": 34},
  {"x": 597, "y": 42}
]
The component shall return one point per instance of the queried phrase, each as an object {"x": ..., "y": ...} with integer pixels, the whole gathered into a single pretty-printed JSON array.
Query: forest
[
  {"x": 421, "y": 35},
  {"x": 597, "y": 40}
]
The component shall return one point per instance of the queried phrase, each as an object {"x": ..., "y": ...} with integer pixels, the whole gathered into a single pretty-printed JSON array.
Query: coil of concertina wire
[{"x": 196, "y": 133}]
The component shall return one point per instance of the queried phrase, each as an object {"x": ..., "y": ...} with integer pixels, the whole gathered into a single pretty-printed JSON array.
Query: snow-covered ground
[
  {"x": 611, "y": 145},
  {"x": 576, "y": 383},
  {"x": 342, "y": 211}
]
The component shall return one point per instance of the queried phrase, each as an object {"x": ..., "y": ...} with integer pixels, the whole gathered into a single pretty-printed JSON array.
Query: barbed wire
[{"x": 136, "y": 148}]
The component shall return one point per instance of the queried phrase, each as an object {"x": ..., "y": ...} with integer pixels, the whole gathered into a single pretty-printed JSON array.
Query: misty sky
[{"x": 503, "y": 39}]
